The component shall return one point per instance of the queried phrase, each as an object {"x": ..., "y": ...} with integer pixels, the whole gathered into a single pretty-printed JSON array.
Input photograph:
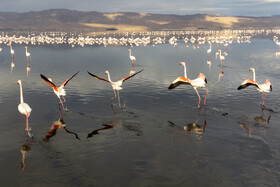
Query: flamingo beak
[{"x": 271, "y": 88}]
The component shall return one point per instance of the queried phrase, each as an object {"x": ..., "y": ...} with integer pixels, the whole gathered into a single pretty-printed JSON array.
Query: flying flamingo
[
  {"x": 132, "y": 58},
  {"x": 115, "y": 85},
  {"x": 195, "y": 83},
  {"x": 59, "y": 91},
  {"x": 263, "y": 88},
  {"x": 24, "y": 108}
]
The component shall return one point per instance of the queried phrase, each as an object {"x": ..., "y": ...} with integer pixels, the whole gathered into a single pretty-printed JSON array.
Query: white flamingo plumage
[
  {"x": 132, "y": 58},
  {"x": 24, "y": 108},
  {"x": 199, "y": 82},
  {"x": 59, "y": 91},
  {"x": 115, "y": 85},
  {"x": 263, "y": 88}
]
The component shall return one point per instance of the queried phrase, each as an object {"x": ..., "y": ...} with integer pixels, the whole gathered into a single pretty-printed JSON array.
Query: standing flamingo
[
  {"x": 59, "y": 91},
  {"x": 12, "y": 51},
  {"x": 28, "y": 56},
  {"x": 115, "y": 85},
  {"x": 263, "y": 88},
  {"x": 195, "y": 83},
  {"x": 222, "y": 58},
  {"x": 24, "y": 108},
  {"x": 132, "y": 58}
]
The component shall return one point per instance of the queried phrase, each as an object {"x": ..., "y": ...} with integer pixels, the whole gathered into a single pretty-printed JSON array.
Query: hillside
[{"x": 72, "y": 20}]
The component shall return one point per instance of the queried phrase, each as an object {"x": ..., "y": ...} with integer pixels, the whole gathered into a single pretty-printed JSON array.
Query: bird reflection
[
  {"x": 193, "y": 127},
  {"x": 261, "y": 118},
  {"x": 277, "y": 54},
  {"x": 258, "y": 120},
  {"x": 25, "y": 148},
  {"x": 209, "y": 63},
  {"x": 28, "y": 68},
  {"x": 132, "y": 71},
  {"x": 12, "y": 66},
  {"x": 58, "y": 124}
]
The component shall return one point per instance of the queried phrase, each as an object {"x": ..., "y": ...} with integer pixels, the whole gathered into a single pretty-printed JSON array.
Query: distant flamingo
[
  {"x": 12, "y": 51},
  {"x": 132, "y": 58},
  {"x": 24, "y": 108},
  {"x": 28, "y": 56},
  {"x": 222, "y": 58},
  {"x": 115, "y": 85},
  {"x": 209, "y": 50},
  {"x": 59, "y": 91},
  {"x": 263, "y": 88},
  {"x": 195, "y": 83}
]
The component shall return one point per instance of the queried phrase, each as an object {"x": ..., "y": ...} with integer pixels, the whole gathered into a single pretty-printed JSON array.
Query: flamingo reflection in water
[
  {"x": 258, "y": 120},
  {"x": 25, "y": 148},
  {"x": 59, "y": 124},
  {"x": 115, "y": 85},
  {"x": 193, "y": 127},
  {"x": 13, "y": 64}
]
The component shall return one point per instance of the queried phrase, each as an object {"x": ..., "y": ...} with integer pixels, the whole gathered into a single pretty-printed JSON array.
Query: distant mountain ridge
[{"x": 73, "y": 20}]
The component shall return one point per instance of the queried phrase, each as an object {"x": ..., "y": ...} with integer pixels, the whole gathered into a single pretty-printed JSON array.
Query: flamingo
[
  {"x": 222, "y": 58},
  {"x": 115, "y": 85},
  {"x": 24, "y": 108},
  {"x": 209, "y": 50},
  {"x": 28, "y": 56},
  {"x": 263, "y": 88},
  {"x": 59, "y": 91},
  {"x": 12, "y": 51},
  {"x": 199, "y": 82},
  {"x": 132, "y": 58}
]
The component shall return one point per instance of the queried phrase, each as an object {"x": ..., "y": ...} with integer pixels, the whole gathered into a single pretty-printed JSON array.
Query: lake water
[{"x": 153, "y": 141}]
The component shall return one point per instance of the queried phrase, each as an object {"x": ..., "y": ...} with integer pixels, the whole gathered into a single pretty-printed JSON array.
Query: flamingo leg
[
  {"x": 27, "y": 128},
  {"x": 114, "y": 97},
  {"x": 61, "y": 104},
  {"x": 205, "y": 96},
  {"x": 119, "y": 98},
  {"x": 198, "y": 97},
  {"x": 64, "y": 100}
]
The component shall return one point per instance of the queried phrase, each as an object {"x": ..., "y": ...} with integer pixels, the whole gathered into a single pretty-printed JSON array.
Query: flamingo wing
[
  {"x": 98, "y": 77},
  {"x": 178, "y": 82},
  {"x": 49, "y": 82},
  {"x": 128, "y": 77},
  {"x": 64, "y": 84},
  {"x": 247, "y": 83}
]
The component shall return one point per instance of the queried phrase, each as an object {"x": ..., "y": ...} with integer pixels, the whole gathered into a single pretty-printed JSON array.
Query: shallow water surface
[{"x": 160, "y": 137}]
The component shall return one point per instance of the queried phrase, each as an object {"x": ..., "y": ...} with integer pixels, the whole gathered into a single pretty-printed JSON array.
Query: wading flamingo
[
  {"x": 263, "y": 88},
  {"x": 115, "y": 85},
  {"x": 195, "y": 83},
  {"x": 24, "y": 108},
  {"x": 28, "y": 56},
  {"x": 132, "y": 58},
  {"x": 12, "y": 51},
  {"x": 59, "y": 91}
]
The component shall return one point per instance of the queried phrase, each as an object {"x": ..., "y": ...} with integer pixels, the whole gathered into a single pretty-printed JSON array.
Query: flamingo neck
[
  {"x": 130, "y": 53},
  {"x": 254, "y": 75},
  {"x": 109, "y": 77},
  {"x": 21, "y": 94},
  {"x": 26, "y": 50},
  {"x": 185, "y": 71}
]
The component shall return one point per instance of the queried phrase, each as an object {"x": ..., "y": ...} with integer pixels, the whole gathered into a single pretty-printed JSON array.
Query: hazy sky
[{"x": 183, "y": 7}]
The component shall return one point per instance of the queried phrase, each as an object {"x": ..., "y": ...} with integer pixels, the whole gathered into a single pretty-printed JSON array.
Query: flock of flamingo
[{"x": 199, "y": 82}]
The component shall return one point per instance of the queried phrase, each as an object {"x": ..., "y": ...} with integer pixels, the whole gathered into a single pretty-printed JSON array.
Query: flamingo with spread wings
[
  {"x": 115, "y": 85},
  {"x": 59, "y": 91},
  {"x": 263, "y": 88}
]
